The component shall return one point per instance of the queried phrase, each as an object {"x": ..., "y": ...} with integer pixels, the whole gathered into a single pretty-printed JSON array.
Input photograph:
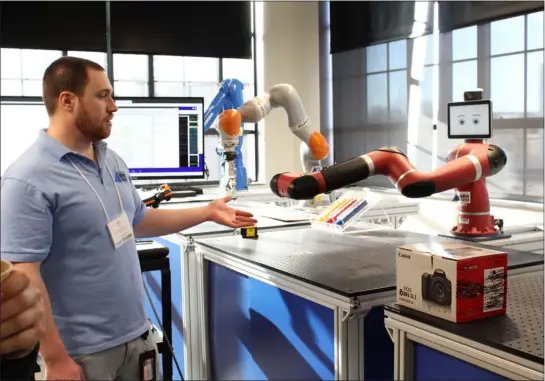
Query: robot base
[{"x": 477, "y": 238}]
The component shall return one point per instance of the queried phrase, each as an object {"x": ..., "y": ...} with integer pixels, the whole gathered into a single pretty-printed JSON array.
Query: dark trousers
[{"x": 22, "y": 369}]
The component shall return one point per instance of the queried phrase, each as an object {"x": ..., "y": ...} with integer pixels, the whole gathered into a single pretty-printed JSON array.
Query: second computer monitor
[{"x": 160, "y": 138}]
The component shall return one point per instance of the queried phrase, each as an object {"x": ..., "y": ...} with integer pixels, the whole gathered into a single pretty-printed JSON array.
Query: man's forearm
[
  {"x": 159, "y": 222},
  {"x": 51, "y": 345}
]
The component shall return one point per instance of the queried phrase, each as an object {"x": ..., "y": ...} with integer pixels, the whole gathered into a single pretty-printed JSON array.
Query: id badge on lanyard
[{"x": 119, "y": 228}]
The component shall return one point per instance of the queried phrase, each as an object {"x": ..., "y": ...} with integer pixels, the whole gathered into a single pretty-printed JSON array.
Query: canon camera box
[{"x": 456, "y": 282}]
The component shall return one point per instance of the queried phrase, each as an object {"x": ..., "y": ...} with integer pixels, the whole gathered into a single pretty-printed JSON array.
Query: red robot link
[{"x": 467, "y": 166}]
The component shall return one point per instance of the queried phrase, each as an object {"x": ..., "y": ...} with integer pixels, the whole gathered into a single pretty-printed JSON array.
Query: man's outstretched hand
[{"x": 218, "y": 211}]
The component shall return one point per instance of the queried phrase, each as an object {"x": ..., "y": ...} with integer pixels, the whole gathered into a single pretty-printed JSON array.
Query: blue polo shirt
[{"x": 51, "y": 215}]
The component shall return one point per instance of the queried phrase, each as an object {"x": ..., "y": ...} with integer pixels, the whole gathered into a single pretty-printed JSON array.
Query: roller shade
[
  {"x": 459, "y": 14},
  {"x": 359, "y": 24}
]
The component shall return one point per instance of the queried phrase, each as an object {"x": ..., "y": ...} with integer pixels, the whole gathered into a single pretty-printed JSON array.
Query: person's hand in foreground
[
  {"x": 22, "y": 323},
  {"x": 221, "y": 213}
]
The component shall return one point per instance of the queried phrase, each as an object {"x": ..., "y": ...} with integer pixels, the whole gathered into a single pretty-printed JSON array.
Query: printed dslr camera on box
[{"x": 452, "y": 281}]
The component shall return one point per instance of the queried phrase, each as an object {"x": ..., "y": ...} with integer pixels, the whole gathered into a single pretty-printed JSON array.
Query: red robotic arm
[
  {"x": 467, "y": 166},
  {"x": 467, "y": 163}
]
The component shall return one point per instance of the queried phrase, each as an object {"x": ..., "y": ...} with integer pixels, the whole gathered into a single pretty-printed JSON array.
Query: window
[
  {"x": 168, "y": 76},
  {"x": 534, "y": 84},
  {"x": 186, "y": 77},
  {"x": 377, "y": 58},
  {"x": 424, "y": 62},
  {"x": 397, "y": 54},
  {"x": 507, "y": 36},
  {"x": 507, "y": 86},
  {"x": 131, "y": 75},
  {"x": 98, "y": 57},
  {"x": 464, "y": 78},
  {"x": 198, "y": 69},
  {"x": 398, "y": 95},
  {"x": 386, "y": 82},
  {"x": 206, "y": 90},
  {"x": 534, "y": 31},
  {"x": 516, "y": 90},
  {"x": 464, "y": 43},
  {"x": 243, "y": 70},
  {"x": 22, "y": 70}
]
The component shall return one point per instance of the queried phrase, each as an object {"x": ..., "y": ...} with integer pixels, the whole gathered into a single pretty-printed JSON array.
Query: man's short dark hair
[{"x": 66, "y": 74}]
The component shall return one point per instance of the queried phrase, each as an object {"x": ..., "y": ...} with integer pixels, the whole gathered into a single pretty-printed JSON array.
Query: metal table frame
[
  {"x": 348, "y": 312},
  {"x": 192, "y": 296},
  {"x": 405, "y": 332}
]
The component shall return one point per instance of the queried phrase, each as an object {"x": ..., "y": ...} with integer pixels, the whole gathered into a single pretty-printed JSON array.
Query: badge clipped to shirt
[
  {"x": 120, "y": 230},
  {"x": 148, "y": 370}
]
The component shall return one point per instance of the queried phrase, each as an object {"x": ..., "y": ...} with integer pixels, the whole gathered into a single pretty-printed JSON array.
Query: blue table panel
[
  {"x": 433, "y": 365},
  {"x": 152, "y": 280},
  {"x": 259, "y": 332},
  {"x": 378, "y": 348}
]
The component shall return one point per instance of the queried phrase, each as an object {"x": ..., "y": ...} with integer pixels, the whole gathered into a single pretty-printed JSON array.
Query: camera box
[{"x": 452, "y": 281}]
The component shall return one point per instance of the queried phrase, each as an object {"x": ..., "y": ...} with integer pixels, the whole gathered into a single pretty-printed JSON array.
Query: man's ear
[{"x": 67, "y": 100}]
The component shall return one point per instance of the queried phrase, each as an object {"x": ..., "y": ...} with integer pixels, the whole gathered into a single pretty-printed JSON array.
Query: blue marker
[{"x": 362, "y": 204}]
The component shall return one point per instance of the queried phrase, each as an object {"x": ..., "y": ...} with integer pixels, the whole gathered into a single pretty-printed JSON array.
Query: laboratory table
[
  {"x": 187, "y": 292},
  {"x": 497, "y": 348},
  {"x": 305, "y": 304}
]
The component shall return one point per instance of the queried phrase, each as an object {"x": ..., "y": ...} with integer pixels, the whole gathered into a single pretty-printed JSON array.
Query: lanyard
[{"x": 99, "y": 199}]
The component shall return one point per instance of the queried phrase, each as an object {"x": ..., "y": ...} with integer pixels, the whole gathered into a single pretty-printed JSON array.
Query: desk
[
  {"x": 509, "y": 346},
  {"x": 304, "y": 303},
  {"x": 396, "y": 207},
  {"x": 154, "y": 257}
]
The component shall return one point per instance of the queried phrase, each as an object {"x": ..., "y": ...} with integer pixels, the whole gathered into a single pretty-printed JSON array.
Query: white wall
[{"x": 291, "y": 55}]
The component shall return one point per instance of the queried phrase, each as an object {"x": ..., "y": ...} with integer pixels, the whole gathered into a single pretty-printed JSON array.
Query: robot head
[{"x": 470, "y": 119}]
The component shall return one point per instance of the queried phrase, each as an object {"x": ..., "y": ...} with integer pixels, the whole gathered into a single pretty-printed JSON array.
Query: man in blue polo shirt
[{"x": 69, "y": 223}]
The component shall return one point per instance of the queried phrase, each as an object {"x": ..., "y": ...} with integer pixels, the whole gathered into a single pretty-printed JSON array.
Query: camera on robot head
[
  {"x": 474, "y": 95},
  {"x": 437, "y": 288}
]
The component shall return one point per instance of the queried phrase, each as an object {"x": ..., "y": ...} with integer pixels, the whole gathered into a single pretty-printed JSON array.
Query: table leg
[{"x": 167, "y": 321}]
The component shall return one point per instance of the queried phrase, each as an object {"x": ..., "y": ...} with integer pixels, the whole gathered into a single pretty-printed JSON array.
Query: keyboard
[
  {"x": 182, "y": 187},
  {"x": 183, "y": 193},
  {"x": 174, "y": 188}
]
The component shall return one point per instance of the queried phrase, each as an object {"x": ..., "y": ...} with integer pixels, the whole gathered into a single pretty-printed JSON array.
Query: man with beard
[{"x": 70, "y": 226}]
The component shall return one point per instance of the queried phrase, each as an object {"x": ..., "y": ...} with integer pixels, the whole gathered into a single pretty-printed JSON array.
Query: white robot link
[{"x": 314, "y": 146}]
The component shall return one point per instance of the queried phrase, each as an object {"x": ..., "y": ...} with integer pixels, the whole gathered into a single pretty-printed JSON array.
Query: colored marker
[
  {"x": 334, "y": 218},
  {"x": 333, "y": 208},
  {"x": 347, "y": 211},
  {"x": 338, "y": 210},
  {"x": 341, "y": 221}
]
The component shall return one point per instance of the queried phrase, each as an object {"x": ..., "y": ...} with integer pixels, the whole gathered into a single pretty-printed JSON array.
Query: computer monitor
[
  {"x": 160, "y": 138},
  {"x": 469, "y": 120}
]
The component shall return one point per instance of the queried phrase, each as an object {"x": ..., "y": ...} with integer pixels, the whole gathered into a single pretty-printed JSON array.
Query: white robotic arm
[{"x": 314, "y": 146}]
